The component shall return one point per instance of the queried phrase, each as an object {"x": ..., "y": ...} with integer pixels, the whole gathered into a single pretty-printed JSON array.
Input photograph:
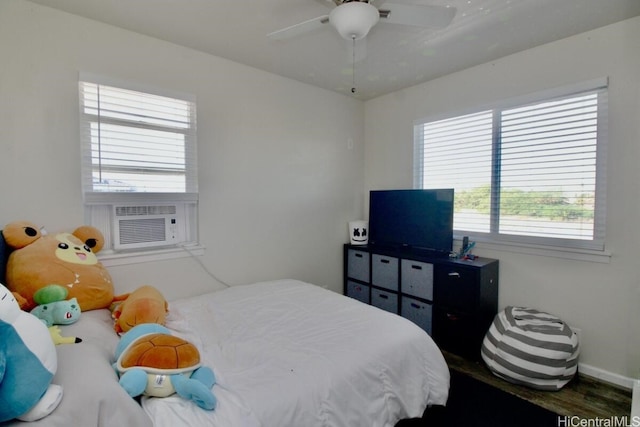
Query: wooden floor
[{"x": 583, "y": 397}]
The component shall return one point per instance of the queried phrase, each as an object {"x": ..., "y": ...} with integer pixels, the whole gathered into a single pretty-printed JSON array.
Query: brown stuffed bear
[{"x": 64, "y": 259}]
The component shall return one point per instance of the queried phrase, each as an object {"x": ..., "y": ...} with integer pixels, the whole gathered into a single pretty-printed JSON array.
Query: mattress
[{"x": 288, "y": 353}]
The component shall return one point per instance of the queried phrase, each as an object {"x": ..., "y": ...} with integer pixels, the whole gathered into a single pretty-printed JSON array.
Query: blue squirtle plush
[
  {"x": 28, "y": 362},
  {"x": 153, "y": 362}
]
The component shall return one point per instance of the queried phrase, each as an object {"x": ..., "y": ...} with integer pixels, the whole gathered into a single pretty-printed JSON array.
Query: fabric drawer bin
[
  {"x": 384, "y": 272},
  {"x": 358, "y": 291},
  {"x": 418, "y": 312},
  {"x": 358, "y": 265},
  {"x": 385, "y": 300},
  {"x": 417, "y": 279}
]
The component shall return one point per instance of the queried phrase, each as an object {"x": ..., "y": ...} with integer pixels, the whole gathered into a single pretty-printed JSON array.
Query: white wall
[
  {"x": 277, "y": 181},
  {"x": 603, "y": 299}
]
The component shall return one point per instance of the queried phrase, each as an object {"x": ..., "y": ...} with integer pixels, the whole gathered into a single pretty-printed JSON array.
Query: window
[
  {"x": 528, "y": 171},
  {"x": 139, "y": 152}
]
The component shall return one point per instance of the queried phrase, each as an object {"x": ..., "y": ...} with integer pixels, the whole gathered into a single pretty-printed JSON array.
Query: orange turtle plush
[{"x": 65, "y": 259}]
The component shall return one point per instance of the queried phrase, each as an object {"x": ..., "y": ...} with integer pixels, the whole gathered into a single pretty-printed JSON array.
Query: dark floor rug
[{"x": 473, "y": 403}]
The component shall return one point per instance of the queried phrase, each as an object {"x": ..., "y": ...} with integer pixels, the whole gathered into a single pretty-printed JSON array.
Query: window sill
[
  {"x": 112, "y": 258},
  {"x": 603, "y": 257}
]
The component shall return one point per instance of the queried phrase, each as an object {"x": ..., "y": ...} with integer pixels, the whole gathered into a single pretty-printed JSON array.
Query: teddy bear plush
[
  {"x": 28, "y": 362},
  {"x": 66, "y": 259}
]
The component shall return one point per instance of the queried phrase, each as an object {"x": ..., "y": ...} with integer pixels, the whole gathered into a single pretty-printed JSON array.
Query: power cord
[{"x": 206, "y": 270}]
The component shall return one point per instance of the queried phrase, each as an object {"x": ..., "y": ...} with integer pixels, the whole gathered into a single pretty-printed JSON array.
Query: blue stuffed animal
[
  {"x": 28, "y": 362},
  {"x": 151, "y": 361}
]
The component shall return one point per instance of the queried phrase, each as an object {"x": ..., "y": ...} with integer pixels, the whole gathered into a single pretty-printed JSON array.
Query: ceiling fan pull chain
[{"x": 353, "y": 66}]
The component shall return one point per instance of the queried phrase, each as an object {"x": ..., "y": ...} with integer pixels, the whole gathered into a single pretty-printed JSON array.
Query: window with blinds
[
  {"x": 138, "y": 152},
  {"x": 136, "y": 142},
  {"x": 530, "y": 172}
]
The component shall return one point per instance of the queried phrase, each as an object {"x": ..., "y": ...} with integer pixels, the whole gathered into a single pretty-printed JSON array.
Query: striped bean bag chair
[{"x": 530, "y": 347}]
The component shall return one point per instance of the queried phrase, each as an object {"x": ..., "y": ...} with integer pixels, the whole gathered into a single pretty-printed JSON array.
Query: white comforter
[{"x": 287, "y": 353}]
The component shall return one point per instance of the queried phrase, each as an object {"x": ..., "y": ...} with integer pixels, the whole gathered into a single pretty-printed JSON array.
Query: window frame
[
  {"x": 533, "y": 244},
  {"x": 98, "y": 205}
]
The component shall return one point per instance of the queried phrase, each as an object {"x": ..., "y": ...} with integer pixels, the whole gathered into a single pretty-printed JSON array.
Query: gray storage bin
[
  {"x": 358, "y": 291},
  {"x": 418, "y": 312},
  {"x": 417, "y": 279},
  {"x": 358, "y": 265},
  {"x": 385, "y": 300},
  {"x": 384, "y": 272}
]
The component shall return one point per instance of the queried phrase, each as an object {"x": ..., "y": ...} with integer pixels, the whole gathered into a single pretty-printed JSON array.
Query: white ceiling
[{"x": 397, "y": 56}]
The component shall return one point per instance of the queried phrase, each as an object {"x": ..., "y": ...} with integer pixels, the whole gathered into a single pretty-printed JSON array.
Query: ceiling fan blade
[
  {"x": 417, "y": 15},
  {"x": 298, "y": 29},
  {"x": 330, "y": 3}
]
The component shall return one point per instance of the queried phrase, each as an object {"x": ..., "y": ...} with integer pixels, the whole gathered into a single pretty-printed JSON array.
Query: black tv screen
[{"x": 413, "y": 219}]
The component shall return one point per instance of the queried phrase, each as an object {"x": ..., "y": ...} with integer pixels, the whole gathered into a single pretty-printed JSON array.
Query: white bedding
[{"x": 287, "y": 353}]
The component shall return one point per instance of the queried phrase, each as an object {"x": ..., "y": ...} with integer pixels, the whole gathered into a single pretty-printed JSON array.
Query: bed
[{"x": 285, "y": 353}]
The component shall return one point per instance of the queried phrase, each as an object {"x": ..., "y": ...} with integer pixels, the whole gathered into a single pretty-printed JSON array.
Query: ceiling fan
[{"x": 354, "y": 18}]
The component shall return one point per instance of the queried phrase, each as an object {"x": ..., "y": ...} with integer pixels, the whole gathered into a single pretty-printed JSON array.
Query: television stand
[{"x": 454, "y": 301}]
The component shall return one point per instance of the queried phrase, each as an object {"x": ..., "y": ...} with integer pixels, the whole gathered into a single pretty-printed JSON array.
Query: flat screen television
[{"x": 412, "y": 219}]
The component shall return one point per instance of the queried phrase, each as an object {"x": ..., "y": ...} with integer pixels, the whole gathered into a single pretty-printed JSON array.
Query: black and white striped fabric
[{"x": 530, "y": 347}]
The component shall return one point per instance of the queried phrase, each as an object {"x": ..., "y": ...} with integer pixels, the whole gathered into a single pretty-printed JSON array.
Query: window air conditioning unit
[{"x": 148, "y": 225}]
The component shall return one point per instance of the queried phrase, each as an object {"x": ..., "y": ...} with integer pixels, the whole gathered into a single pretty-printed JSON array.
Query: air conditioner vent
[
  {"x": 142, "y": 231},
  {"x": 145, "y": 210},
  {"x": 148, "y": 226}
]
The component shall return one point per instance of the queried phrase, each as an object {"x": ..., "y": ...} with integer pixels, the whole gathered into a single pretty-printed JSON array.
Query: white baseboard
[
  {"x": 635, "y": 401},
  {"x": 606, "y": 376}
]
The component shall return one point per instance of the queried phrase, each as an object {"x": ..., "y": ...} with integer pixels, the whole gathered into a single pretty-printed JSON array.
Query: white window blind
[
  {"x": 456, "y": 153},
  {"x": 136, "y": 142},
  {"x": 528, "y": 173}
]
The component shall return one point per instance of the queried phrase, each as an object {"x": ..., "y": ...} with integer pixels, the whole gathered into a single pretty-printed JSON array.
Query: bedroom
[{"x": 277, "y": 180}]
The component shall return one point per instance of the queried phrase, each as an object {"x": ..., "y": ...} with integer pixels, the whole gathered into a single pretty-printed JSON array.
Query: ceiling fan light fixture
[{"x": 354, "y": 19}]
